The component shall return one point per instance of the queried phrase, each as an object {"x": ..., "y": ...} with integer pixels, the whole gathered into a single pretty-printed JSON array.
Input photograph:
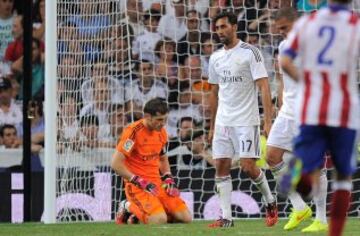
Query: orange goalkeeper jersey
[{"x": 142, "y": 149}]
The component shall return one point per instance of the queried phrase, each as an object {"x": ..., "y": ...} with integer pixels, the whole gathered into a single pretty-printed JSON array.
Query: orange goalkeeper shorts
[{"x": 148, "y": 204}]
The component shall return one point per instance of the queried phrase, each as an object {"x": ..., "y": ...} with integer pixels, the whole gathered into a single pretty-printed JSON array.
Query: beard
[{"x": 226, "y": 41}]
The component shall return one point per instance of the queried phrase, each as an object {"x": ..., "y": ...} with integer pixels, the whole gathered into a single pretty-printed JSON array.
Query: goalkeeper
[{"x": 139, "y": 156}]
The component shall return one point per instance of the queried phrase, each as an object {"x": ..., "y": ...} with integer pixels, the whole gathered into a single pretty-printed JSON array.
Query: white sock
[
  {"x": 295, "y": 199},
  {"x": 320, "y": 198},
  {"x": 224, "y": 189},
  {"x": 262, "y": 184}
]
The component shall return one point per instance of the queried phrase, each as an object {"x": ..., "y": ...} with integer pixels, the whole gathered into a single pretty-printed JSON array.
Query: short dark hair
[
  {"x": 138, "y": 63},
  {"x": 288, "y": 13},
  {"x": 153, "y": 13},
  {"x": 88, "y": 120},
  {"x": 232, "y": 18},
  {"x": 6, "y": 126},
  {"x": 115, "y": 106},
  {"x": 185, "y": 118},
  {"x": 155, "y": 106},
  {"x": 193, "y": 11},
  {"x": 161, "y": 43}
]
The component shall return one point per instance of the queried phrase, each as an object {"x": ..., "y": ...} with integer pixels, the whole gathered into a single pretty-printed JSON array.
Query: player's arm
[
  {"x": 168, "y": 180},
  {"x": 213, "y": 107},
  {"x": 118, "y": 165},
  {"x": 288, "y": 67},
  {"x": 124, "y": 150},
  {"x": 264, "y": 87},
  {"x": 280, "y": 88}
]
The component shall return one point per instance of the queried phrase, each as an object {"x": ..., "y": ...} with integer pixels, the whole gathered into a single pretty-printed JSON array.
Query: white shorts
[
  {"x": 240, "y": 141},
  {"x": 282, "y": 133}
]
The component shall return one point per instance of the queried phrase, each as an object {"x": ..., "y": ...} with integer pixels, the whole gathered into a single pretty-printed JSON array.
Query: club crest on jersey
[{"x": 128, "y": 145}]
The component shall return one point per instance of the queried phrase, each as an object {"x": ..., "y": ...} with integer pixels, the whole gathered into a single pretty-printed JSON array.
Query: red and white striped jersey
[{"x": 327, "y": 44}]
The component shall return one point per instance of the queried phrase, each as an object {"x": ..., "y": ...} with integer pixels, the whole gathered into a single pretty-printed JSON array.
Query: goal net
[{"x": 113, "y": 56}]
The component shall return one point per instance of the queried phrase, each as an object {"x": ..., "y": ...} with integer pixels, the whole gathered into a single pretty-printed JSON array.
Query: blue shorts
[{"x": 313, "y": 141}]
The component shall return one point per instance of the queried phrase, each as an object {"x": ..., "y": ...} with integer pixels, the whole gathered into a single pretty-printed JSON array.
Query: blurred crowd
[{"x": 114, "y": 55}]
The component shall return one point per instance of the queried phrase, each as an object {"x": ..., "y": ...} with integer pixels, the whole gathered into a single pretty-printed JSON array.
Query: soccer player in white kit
[
  {"x": 327, "y": 42},
  {"x": 282, "y": 133},
  {"x": 236, "y": 70}
]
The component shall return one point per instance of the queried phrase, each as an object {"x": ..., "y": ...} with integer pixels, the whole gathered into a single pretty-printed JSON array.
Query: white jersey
[
  {"x": 134, "y": 92},
  {"x": 235, "y": 71},
  {"x": 289, "y": 90},
  {"x": 327, "y": 43},
  {"x": 144, "y": 45}
]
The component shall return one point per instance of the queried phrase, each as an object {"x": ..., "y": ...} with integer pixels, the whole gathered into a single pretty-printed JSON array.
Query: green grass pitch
[{"x": 197, "y": 228}]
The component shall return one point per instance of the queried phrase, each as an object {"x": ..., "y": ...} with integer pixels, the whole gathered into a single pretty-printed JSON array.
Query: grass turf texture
[{"x": 197, "y": 228}]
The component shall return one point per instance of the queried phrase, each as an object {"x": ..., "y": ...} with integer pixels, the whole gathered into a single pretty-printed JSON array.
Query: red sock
[{"x": 339, "y": 207}]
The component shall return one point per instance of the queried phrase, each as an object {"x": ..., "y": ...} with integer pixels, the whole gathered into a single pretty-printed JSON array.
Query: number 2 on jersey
[{"x": 327, "y": 32}]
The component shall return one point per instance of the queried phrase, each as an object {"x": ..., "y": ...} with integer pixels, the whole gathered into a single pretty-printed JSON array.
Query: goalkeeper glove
[
  {"x": 144, "y": 184},
  {"x": 170, "y": 186}
]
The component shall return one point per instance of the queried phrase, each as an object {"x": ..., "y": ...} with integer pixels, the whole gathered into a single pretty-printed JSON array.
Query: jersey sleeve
[
  {"x": 257, "y": 66},
  {"x": 213, "y": 78},
  {"x": 127, "y": 142},
  {"x": 292, "y": 45}
]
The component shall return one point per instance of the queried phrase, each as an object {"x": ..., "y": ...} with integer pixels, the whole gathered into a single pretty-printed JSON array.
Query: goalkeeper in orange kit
[{"x": 140, "y": 158}]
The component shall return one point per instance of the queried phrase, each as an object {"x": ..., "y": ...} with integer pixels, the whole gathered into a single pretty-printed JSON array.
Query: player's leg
[
  {"x": 279, "y": 145},
  {"x": 247, "y": 141},
  {"x": 175, "y": 208},
  {"x": 223, "y": 150},
  {"x": 342, "y": 147},
  {"x": 145, "y": 206},
  {"x": 320, "y": 223}
]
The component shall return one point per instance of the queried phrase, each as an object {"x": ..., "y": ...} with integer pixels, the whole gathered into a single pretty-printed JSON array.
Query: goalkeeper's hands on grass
[
  {"x": 144, "y": 184},
  {"x": 169, "y": 185}
]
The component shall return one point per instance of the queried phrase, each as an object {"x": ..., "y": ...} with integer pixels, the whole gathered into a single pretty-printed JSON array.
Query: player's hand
[
  {"x": 170, "y": 186},
  {"x": 144, "y": 184}
]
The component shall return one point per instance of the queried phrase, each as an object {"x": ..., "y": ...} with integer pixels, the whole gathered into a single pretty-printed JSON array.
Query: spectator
[
  {"x": 133, "y": 17},
  {"x": 252, "y": 12},
  {"x": 190, "y": 43},
  {"x": 10, "y": 112},
  {"x": 69, "y": 124},
  {"x": 39, "y": 20},
  {"x": 193, "y": 153},
  {"x": 89, "y": 132},
  {"x": 208, "y": 46},
  {"x": 192, "y": 69},
  {"x": 185, "y": 108},
  {"x": 117, "y": 121},
  {"x": 99, "y": 104},
  {"x": 144, "y": 44},
  {"x": 167, "y": 67},
  {"x": 14, "y": 50},
  {"x": 144, "y": 89},
  {"x": 69, "y": 72},
  {"x": 6, "y": 25},
  {"x": 8, "y": 137},
  {"x": 173, "y": 25},
  {"x": 37, "y": 126},
  {"x": 200, "y": 6},
  {"x": 185, "y": 127},
  {"x": 37, "y": 70},
  {"x": 120, "y": 63}
]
